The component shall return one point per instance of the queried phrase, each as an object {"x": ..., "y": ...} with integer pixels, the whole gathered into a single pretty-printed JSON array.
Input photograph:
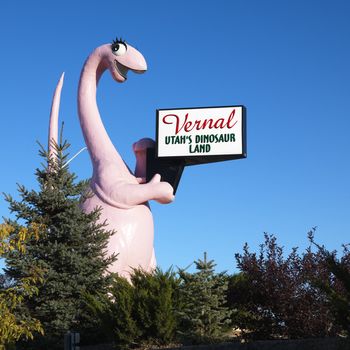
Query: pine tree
[
  {"x": 70, "y": 251},
  {"x": 204, "y": 314}
]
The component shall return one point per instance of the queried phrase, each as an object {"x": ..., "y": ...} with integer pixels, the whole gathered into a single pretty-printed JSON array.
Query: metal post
[{"x": 71, "y": 341}]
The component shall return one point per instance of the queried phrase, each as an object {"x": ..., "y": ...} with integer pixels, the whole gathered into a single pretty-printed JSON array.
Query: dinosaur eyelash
[
  {"x": 116, "y": 45},
  {"x": 118, "y": 41}
]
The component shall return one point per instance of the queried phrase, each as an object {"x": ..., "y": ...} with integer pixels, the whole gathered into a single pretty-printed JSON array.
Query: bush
[
  {"x": 335, "y": 284},
  {"x": 143, "y": 312},
  {"x": 280, "y": 298}
]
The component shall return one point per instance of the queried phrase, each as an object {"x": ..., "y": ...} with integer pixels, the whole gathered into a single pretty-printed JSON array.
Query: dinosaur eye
[{"x": 119, "y": 49}]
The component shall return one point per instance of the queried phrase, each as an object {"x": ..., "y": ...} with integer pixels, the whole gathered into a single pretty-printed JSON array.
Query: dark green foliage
[
  {"x": 70, "y": 251},
  {"x": 141, "y": 313},
  {"x": 114, "y": 312},
  {"x": 125, "y": 329},
  {"x": 155, "y": 302},
  {"x": 204, "y": 315}
]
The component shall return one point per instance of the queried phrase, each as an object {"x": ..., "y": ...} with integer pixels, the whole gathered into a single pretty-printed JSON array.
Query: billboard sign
[{"x": 201, "y": 135}]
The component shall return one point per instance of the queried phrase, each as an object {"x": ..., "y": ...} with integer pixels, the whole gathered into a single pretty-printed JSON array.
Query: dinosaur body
[
  {"x": 133, "y": 238},
  {"x": 121, "y": 195}
]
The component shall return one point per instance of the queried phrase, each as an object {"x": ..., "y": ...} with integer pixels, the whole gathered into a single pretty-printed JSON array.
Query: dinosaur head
[{"x": 121, "y": 57}]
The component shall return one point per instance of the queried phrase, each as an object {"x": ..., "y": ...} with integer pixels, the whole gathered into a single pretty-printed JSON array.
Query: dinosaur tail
[{"x": 53, "y": 126}]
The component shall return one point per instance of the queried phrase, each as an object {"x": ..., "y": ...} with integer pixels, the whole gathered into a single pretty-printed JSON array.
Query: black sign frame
[
  {"x": 171, "y": 167},
  {"x": 203, "y": 159}
]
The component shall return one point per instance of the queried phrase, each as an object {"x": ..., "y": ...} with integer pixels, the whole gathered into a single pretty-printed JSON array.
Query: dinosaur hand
[
  {"x": 155, "y": 179},
  {"x": 165, "y": 192}
]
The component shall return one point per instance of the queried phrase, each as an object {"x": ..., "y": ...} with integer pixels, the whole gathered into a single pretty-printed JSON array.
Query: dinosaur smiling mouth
[{"x": 122, "y": 70}]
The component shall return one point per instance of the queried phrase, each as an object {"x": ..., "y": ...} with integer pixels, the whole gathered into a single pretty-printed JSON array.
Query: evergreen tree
[
  {"x": 204, "y": 314},
  {"x": 155, "y": 301},
  {"x": 139, "y": 314},
  {"x": 70, "y": 251},
  {"x": 114, "y": 312}
]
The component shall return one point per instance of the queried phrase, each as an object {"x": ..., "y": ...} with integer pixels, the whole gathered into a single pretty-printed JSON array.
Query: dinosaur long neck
[{"x": 99, "y": 144}]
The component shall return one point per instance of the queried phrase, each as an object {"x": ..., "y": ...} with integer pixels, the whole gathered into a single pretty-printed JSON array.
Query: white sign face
[{"x": 193, "y": 132}]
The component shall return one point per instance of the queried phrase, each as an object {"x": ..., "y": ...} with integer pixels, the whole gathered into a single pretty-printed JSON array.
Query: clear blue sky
[{"x": 288, "y": 62}]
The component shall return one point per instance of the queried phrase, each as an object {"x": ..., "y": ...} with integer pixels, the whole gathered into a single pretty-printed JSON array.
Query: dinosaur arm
[{"x": 135, "y": 194}]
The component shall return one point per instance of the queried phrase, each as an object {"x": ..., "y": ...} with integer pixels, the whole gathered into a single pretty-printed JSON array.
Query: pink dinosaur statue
[{"x": 122, "y": 195}]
